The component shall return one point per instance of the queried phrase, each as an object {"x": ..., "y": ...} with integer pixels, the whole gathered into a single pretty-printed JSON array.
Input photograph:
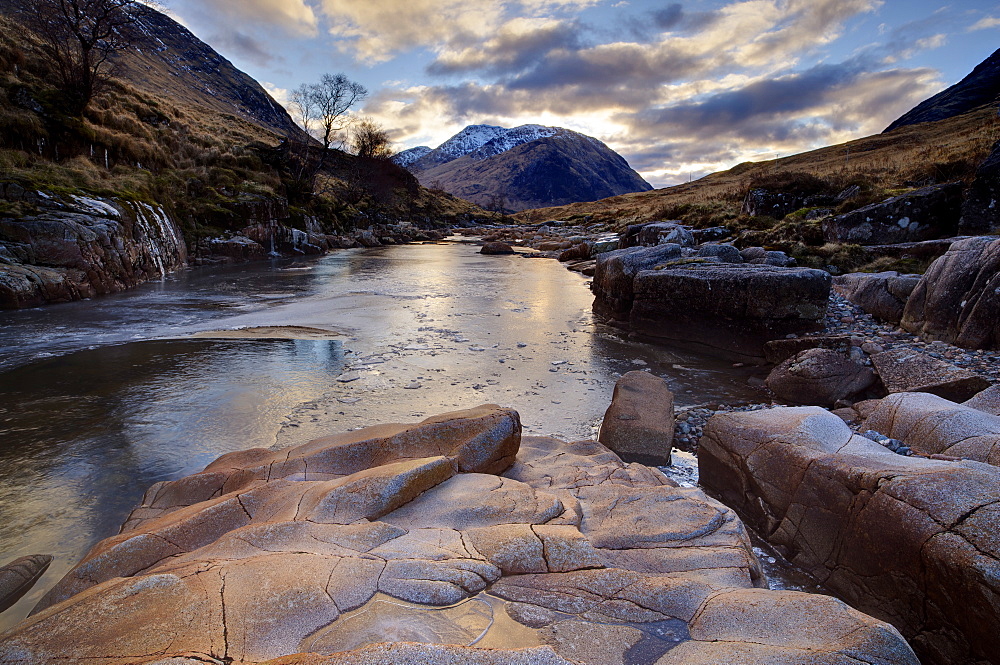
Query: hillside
[
  {"x": 882, "y": 164},
  {"x": 523, "y": 167},
  {"x": 980, "y": 87}
]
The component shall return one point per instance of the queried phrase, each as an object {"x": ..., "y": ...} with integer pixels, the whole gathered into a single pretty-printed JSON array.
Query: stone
[
  {"x": 923, "y": 214},
  {"x": 987, "y": 401},
  {"x": 494, "y": 248},
  {"x": 901, "y": 538},
  {"x": 725, "y": 253},
  {"x": 380, "y": 545},
  {"x": 78, "y": 247},
  {"x": 616, "y": 271},
  {"x": 639, "y": 424},
  {"x": 932, "y": 425},
  {"x": 883, "y": 294},
  {"x": 981, "y": 208},
  {"x": 958, "y": 298},
  {"x": 911, "y": 370},
  {"x": 18, "y": 576},
  {"x": 728, "y": 309},
  {"x": 778, "y": 204},
  {"x": 660, "y": 233},
  {"x": 776, "y": 351},
  {"x": 820, "y": 377}
]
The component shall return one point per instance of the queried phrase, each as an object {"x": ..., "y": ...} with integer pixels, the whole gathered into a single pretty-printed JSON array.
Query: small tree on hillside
[
  {"x": 371, "y": 140},
  {"x": 79, "y": 38},
  {"x": 322, "y": 107}
]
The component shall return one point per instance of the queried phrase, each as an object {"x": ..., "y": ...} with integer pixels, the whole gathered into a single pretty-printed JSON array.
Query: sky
[{"x": 680, "y": 89}]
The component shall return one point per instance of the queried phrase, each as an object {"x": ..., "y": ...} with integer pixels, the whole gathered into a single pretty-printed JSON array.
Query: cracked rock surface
[
  {"x": 910, "y": 540},
  {"x": 449, "y": 541}
]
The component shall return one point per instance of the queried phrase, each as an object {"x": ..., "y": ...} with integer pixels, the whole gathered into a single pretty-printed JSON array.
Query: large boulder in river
[
  {"x": 981, "y": 209},
  {"x": 923, "y": 214},
  {"x": 907, "y": 539},
  {"x": 958, "y": 298},
  {"x": 932, "y": 425},
  {"x": 616, "y": 270},
  {"x": 345, "y": 549},
  {"x": 728, "y": 309},
  {"x": 882, "y": 294},
  {"x": 639, "y": 424},
  {"x": 820, "y": 377},
  {"x": 496, "y": 248}
]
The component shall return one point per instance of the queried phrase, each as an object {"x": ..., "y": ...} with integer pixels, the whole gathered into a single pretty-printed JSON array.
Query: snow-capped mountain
[
  {"x": 407, "y": 157},
  {"x": 523, "y": 167}
]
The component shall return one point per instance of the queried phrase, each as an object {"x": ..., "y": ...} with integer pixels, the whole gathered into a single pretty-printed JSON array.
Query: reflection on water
[{"x": 93, "y": 410}]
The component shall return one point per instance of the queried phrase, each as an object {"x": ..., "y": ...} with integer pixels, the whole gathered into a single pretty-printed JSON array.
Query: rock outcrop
[
  {"x": 78, "y": 247},
  {"x": 615, "y": 274},
  {"x": 923, "y": 214},
  {"x": 911, "y": 370},
  {"x": 356, "y": 548},
  {"x": 958, "y": 298},
  {"x": 820, "y": 377},
  {"x": 18, "y": 576},
  {"x": 981, "y": 208},
  {"x": 932, "y": 425},
  {"x": 727, "y": 309},
  {"x": 907, "y": 539},
  {"x": 639, "y": 424},
  {"x": 882, "y": 294}
]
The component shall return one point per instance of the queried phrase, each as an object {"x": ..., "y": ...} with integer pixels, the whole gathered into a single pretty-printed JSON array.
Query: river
[{"x": 100, "y": 399}]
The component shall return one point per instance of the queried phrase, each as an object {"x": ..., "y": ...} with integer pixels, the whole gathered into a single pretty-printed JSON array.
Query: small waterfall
[{"x": 160, "y": 237}]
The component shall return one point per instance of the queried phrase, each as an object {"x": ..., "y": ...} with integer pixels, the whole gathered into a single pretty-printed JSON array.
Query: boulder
[
  {"x": 496, "y": 248},
  {"x": 724, "y": 253},
  {"x": 639, "y": 424},
  {"x": 616, "y": 271},
  {"x": 883, "y": 294},
  {"x": 660, "y": 233},
  {"x": 18, "y": 576},
  {"x": 910, "y": 370},
  {"x": 981, "y": 208},
  {"x": 909, "y": 540},
  {"x": 778, "y": 351},
  {"x": 820, "y": 377},
  {"x": 923, "y": 214},
  {"x": 932, "y": 425},
  {"x": 575, "y": 253},
  {"x": 958, "y": 298},
  {"x": 987, "y": 401},
  {"x": 728, "y": 309},
  {"x": 381, "y": 545},
  {"x": 778, "y": 204},
  {"x": 759, "y": 255}
]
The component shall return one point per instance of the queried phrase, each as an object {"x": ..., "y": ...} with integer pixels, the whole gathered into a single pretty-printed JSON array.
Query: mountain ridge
[{"x": 523, "y": 167}]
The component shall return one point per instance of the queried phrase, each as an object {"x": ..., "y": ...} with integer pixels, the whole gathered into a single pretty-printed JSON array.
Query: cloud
[
  {"x": 244, "y": 46},
  {"x": 985, "y": 23},
  {"x": 295, "y": 17},
  {"x": 515, "y": 45}
]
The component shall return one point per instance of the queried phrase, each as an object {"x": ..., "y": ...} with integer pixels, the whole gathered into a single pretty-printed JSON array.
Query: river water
[{"x": 100, "y": 399}]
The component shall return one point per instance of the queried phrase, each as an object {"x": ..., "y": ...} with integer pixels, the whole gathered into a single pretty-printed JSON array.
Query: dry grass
[{"x": 884, "y": 164}]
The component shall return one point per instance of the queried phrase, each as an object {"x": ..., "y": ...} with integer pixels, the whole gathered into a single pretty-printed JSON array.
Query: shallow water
[{"x": 99, "y": 399}]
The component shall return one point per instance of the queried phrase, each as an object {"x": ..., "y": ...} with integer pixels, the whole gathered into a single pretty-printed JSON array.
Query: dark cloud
[
  {"x": 244, "y": 46},
  {"x": 669, "y": 17},
  {"x": 510, "y": 51}
]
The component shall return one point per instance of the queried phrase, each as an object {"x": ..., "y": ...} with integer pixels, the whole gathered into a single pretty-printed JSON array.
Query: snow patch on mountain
[{"x": 407, "y": 157}]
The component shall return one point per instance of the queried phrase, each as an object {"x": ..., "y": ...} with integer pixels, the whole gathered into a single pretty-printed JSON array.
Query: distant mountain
[
  {"x": 525, "y": 167},
  {"x": 980, "y": 87}
]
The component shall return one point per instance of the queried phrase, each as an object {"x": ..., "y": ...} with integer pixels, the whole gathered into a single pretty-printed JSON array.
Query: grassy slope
[
  {"x": 883, "y": 164},
  {"x": 180, "y": 150}
]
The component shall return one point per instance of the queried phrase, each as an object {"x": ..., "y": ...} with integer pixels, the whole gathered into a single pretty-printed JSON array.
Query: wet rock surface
[
  {"x": 402, "y": 533},
  {"x": 78, "y": 247},
  {"x": 20, "y": 575},
  {"x": 894, "y": 536}
]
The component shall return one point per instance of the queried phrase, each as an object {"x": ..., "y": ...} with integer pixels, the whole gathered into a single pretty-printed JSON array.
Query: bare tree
[
  {"x": 79, "y": 37},
  {"x": 371, "y": 140},
  {"x": 322, "y": 107}
]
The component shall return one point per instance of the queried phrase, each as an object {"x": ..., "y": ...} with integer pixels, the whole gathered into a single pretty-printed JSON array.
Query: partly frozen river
[{"x": 99, "y": 399}]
